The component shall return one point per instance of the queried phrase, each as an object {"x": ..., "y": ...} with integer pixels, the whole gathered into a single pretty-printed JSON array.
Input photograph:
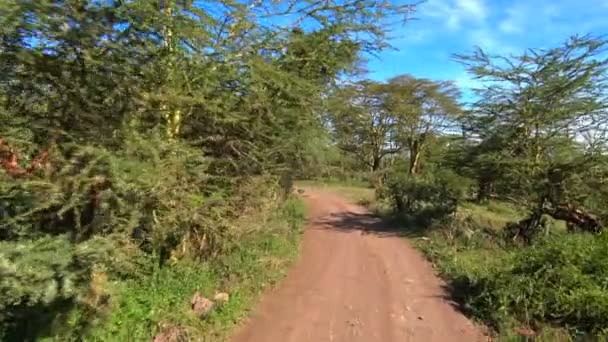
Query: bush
[
  {"x": 144, "y": 305},
  {"x": 42, "y": 280},
  {"x": 561, "y": 280},
  {"x": 120, "y": 212},
  {"x": 431, "y": 195}
]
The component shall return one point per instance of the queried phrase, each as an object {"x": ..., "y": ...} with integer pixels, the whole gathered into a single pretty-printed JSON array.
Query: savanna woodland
[{"x": 148, "y": 150}]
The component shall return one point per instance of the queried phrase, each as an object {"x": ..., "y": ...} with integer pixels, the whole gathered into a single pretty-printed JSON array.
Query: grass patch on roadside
[
  {"x": 141, "y": 308},
  {"x": 555, "y": 289},
  {"x": 356, "y": 192}
]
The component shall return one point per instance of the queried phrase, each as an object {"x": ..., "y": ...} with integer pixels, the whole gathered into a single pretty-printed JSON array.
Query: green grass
[
  {"x": 555, "y": 289},
  {"x": 355, "y": 192},
  {"x": 140, "y": 308},
  {"x": 493, "y": 214}
]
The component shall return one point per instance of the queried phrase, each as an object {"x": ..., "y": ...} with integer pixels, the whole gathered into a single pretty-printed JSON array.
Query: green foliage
[
  {"x": 559, "y": 281},
  {"x": 92, "y": 191},
  {"x": 45, "y": 278},
  {"x": 534, "y": 118},
  {"x": 429, "y": 196},
  {"x": 94, "y": 210},
  {"x": 373, "y": 121},
  {"x": 160, "y": 299},
  {"x": 138, "y": 133}
]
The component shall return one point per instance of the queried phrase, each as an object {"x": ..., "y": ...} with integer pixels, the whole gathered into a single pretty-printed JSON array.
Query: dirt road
[{"x": 356, "y": 281}]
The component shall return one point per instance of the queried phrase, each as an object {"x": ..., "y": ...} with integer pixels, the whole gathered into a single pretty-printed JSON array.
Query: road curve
[{"x": 356, "y": 281}]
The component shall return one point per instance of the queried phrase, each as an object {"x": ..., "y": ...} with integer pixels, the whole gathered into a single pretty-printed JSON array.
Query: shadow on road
[
  {"x": 456, "y": 292},
  {"x": 364, "y": 222}
]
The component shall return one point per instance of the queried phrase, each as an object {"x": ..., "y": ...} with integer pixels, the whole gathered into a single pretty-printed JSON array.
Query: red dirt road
[{"x": 356, "y": 281}]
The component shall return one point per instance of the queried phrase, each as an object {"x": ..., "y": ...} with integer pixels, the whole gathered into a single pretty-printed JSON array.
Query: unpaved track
[{"x": 356, "y": 281}]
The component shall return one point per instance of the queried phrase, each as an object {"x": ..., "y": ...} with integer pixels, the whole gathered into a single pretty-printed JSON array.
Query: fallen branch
[{"x": 575, "y": 217}]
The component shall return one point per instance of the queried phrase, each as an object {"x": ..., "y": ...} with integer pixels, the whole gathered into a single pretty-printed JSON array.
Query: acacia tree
[
  {"x": 158, "y": 112},
  {"x": 237, "y": 78},
  {"x": 542, "y": 121},
  {"x": 422, "y": 108},
  {"x": 372, "y": 120},
  {"x": 362, "y": 125},
  {"x": 243, "y": 82}
]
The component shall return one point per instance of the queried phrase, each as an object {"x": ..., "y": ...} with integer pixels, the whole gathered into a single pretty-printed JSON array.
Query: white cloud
[
  {"x": 456, "y": 12},
  {"x": 490, "y": 41},
  {"x": 473, "y": 8},
  {"x": 515, "y": 20},
  {"x": 522, "y": 16}
]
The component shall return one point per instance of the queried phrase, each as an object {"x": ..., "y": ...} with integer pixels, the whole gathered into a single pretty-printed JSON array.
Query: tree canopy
[
  {"x": 143, "y": 130},
  {"x": 373, "y": 120},
  {"x": 135, "y": 134}
]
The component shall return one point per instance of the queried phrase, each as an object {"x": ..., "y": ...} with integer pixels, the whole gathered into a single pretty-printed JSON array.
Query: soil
[{"x": 356, "y": 280}]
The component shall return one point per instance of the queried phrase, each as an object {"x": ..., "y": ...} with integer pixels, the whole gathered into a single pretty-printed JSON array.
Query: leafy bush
[
  {"x": 560, "y": 280},
  {"x": 431, "y": 195},
  {"x": 143, "y": 305},
  {"x": 120, "y": 212},
  {"x": 41, "y": 280}
]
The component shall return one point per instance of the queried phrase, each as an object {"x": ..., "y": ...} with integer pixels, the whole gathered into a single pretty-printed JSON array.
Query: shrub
[
  {"x": 144, "y": 305},
  {"x": 120, "y": 212},
  {"x": 562, "y": 280},
  {"x": 41, "y": 280},
  {"x": 431, "y": 195}
]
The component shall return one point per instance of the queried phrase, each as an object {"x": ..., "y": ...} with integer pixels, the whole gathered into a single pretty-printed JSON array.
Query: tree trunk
[
  {"x": 414, "y": 157},
  {"x": 172, "y": 116},
  {"x": 376, "y": 163},
  {"x": 576, "y": 217},
  {"x": 485, "y": 189},
  {"x": 414, "y": 162}
]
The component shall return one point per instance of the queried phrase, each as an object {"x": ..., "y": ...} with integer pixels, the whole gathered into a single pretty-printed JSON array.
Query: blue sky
[{"x": 445, "y": 27}]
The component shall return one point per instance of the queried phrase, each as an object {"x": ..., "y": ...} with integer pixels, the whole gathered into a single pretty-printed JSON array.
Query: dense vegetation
[
  {"x": 508, "y": 193},
  {"x": 147, "y": 151},
  {"x": 145, "y": 147}
]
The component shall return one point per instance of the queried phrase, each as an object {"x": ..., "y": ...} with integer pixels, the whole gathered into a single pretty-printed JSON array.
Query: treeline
[
  {"x": 134, "y": 134},
  {"x": 529, "y": 155},
  {"x": 536, "y": 135}
]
